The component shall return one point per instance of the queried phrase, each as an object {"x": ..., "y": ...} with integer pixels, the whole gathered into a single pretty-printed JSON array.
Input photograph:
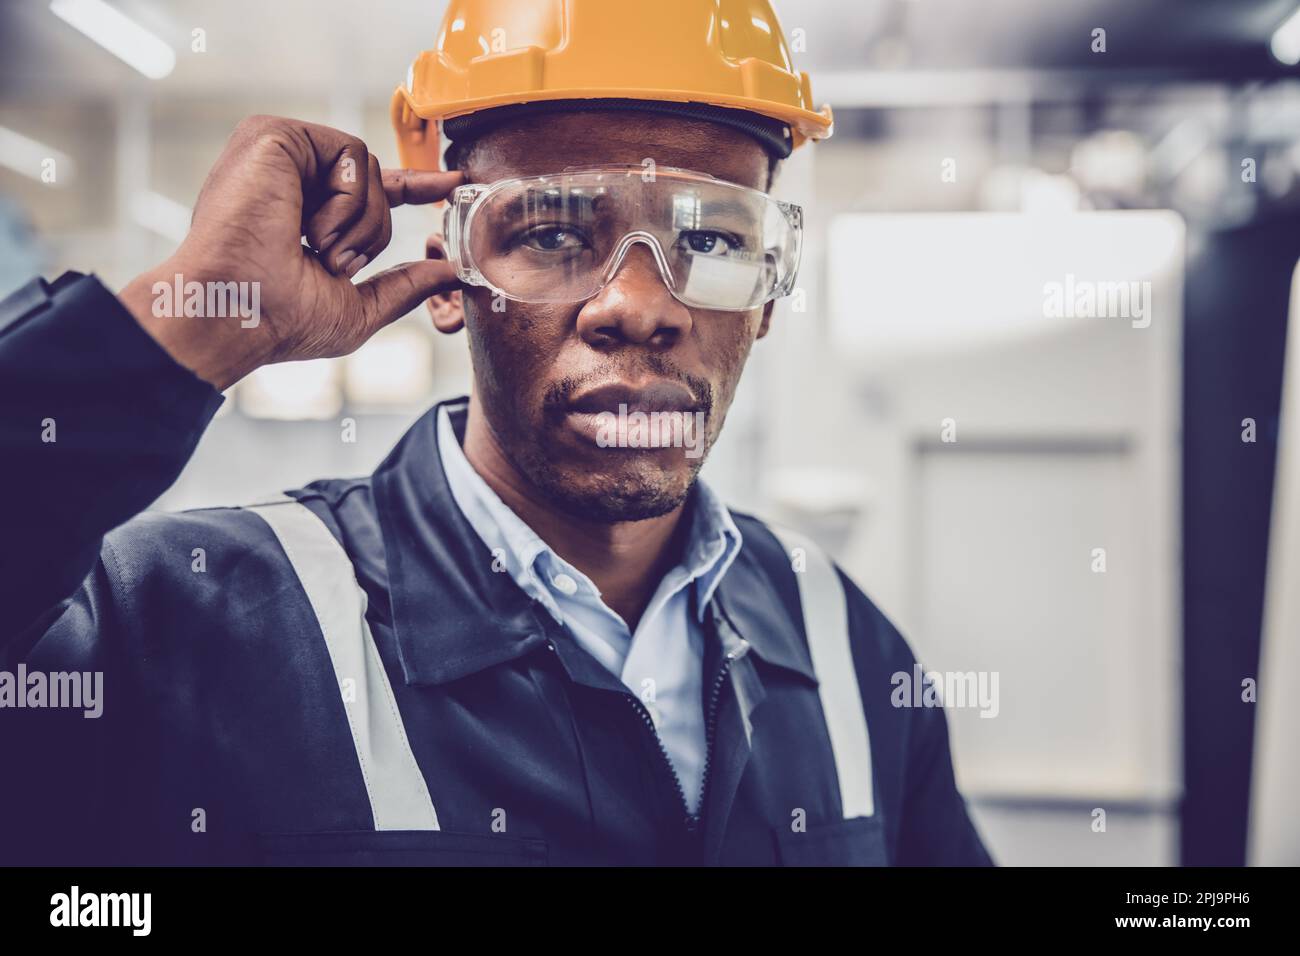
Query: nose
[{"x": 635, "y": 307}]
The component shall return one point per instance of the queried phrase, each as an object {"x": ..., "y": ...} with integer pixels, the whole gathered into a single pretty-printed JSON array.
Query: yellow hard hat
[{"x": 715, "y": 57}]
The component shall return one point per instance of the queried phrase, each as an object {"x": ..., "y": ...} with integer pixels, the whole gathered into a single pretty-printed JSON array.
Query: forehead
[{"x": 549, "y": 143}]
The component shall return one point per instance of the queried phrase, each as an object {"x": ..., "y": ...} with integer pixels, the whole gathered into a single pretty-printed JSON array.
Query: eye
[
  {"x": 706, "y": 242},
  {"x": 552, "y": 239}
]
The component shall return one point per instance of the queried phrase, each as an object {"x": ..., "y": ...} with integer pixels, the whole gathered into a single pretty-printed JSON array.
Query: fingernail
[
  {"x": 356, "y": 265},
  {"x": 328, "y": 241},
  {"x": 342, "y": 264}
]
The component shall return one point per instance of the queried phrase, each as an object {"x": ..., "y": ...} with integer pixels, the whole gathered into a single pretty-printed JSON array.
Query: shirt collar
[{"x": 712, "y": 544}]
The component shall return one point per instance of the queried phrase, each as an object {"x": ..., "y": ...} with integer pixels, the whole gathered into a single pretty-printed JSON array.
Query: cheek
[
  {"x": 728, "y": 341},
  {"x": 510, "y": 346}
]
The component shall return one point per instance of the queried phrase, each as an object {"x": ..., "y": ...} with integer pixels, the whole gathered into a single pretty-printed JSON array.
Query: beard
[
  {"x": 635, "y": 487},
  {"x": 619, "y": 498}
]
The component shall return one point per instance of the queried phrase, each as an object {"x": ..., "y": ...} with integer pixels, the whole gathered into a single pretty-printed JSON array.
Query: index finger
[{"x": 417, "y": 186}]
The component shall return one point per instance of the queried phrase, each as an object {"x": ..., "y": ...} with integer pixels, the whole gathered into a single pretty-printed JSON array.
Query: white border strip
[
  {"x": 826, "y": 620},
  {"x": 399, "y": 796}
]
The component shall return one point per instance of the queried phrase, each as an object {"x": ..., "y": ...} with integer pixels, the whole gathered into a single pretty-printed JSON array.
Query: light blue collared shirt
[{"x": 662, "y": 663}]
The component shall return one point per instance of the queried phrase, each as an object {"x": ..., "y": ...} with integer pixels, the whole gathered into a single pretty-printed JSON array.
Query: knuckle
[
  {"x": 267, "y": 130},
  {"x": 257, "y": 125}
]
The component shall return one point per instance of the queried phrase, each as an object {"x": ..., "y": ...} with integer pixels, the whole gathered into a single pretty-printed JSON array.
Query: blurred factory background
[{"x": 1097, "y": 533}]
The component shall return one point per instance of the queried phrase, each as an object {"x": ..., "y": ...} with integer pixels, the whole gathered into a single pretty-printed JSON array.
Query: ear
[
  {"x": 446, "y": 308},
  {"x": 766, "y": 323}
]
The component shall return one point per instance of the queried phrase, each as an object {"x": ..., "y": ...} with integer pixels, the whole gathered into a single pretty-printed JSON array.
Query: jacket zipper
[
  {"x": 692, "y": 820},
  {"x": 711, "y": 721},
  {"x": 689, "y": 819}
]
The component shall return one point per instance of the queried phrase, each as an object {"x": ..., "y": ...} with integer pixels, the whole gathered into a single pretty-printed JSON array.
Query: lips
[
  {"x": 661, "y": 396},
  {"x": 652, "y": 417}
]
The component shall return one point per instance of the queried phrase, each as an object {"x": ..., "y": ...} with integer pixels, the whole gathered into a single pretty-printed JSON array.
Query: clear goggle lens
[{"x": 561, "y": 238}]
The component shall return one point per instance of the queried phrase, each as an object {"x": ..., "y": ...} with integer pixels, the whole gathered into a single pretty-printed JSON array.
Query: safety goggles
[{"x": 563, "y": 237}]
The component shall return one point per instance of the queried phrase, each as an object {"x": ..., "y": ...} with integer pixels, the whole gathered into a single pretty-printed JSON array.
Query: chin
[{"x": 635, "y": 492}]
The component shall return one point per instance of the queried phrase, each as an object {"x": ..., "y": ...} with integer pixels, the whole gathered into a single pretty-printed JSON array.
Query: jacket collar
[
  {"x": 748, "y": 602},
  {"x": 453, "y": 615}
]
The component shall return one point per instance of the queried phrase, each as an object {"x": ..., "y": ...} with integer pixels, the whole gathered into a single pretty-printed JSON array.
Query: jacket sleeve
[
  {"x": 930, "y": 823},
  {"x": 96, "y": 421},
  {"x": 936, "y": 828}
]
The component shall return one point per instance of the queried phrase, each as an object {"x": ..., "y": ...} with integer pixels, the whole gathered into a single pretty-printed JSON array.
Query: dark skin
[{"x": 614, "y": 513}]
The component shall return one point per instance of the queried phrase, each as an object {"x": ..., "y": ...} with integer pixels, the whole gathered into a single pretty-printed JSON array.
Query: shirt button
[{"x": 565, "y": 584}]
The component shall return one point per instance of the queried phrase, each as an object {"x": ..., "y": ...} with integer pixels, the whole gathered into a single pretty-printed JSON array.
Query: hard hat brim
[
  {"x": 773, "y": 134},
  {"x": 804, "y": 124}
]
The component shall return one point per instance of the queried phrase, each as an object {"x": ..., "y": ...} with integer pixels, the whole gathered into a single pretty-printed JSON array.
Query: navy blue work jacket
[{"x": 223, "y": 738}]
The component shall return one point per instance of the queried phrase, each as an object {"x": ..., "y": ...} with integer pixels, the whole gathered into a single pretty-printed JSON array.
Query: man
[{"x": 532, "y": 636}]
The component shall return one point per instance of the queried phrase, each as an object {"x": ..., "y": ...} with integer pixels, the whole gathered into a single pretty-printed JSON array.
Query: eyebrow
[
  {"x": 549, "y": 202},
  {"x": 722, "y": 211},
  {"x": 585, "y": 207},
  {"x": 731, "y": 207}
]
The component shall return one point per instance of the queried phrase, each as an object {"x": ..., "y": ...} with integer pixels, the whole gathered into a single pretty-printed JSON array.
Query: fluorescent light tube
[{"x": 118, "y": 34}]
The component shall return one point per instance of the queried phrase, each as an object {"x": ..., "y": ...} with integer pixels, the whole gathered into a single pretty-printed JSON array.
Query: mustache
[{"x": 557, "y": 398}]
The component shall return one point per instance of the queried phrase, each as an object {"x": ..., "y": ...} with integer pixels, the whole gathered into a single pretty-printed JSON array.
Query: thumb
[{"x": 391, "y": 294}]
